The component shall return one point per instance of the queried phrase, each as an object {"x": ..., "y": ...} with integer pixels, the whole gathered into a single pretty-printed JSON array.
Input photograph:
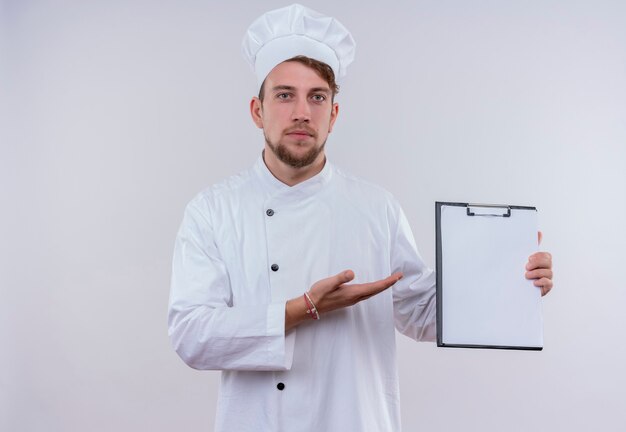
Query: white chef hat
[{"x": 284, "y": 33}]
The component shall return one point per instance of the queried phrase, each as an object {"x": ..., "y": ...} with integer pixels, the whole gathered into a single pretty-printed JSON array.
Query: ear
[
  {"x": 333, "y": 116},
  {"x": 256, "y": 111}
]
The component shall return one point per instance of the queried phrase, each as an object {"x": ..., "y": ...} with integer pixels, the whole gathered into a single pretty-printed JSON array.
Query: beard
[{"x": 283, "y": 154}]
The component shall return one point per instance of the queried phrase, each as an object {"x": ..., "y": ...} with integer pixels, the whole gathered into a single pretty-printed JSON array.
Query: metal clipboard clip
[{"x": 489, "y": 210}]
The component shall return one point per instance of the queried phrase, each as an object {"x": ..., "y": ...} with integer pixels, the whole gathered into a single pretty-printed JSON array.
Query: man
[{"x": 281, "y": 273}]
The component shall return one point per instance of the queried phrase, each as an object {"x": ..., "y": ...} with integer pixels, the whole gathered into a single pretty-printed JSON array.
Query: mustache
[{"x": 301, "y": 127}]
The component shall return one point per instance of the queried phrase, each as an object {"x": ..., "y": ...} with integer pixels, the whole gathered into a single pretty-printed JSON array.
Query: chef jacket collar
[{"x": 276, "y": 188}]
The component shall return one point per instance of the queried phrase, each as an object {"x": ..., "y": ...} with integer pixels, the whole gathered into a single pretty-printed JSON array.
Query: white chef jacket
[{"x": 249, "y": 244}]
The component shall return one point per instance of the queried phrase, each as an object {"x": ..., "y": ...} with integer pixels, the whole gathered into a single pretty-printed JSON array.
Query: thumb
[{"x": 344, "y": 276}]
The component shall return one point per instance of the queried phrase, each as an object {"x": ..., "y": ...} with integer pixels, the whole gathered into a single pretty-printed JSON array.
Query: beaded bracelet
[{"x": 310, "y": 307}]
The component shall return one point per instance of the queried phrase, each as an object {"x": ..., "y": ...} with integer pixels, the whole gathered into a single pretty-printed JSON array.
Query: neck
[{"x": 289, "y": 175}]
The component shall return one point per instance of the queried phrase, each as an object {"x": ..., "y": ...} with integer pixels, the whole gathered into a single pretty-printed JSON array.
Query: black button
[
  {"x": 269, "y": 212},
  {"x": 280, "y": 386},
  {"x": 274, "y": 267}
]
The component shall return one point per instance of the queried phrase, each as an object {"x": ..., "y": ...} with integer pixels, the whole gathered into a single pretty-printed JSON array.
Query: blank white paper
[{"x": 486, "y": 299}]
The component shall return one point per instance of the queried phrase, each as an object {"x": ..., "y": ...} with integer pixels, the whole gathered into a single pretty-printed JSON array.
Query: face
[{"x": 296, "y": 115}]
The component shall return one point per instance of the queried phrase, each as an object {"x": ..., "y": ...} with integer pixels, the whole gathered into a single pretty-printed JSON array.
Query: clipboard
[{"x": 483, "y": 297}]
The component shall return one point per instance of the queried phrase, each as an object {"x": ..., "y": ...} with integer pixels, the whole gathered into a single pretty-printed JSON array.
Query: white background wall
[{"x": 116, "y": 113}]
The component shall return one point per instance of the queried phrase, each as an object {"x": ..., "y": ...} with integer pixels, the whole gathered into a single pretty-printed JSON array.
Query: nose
[{"x": 301, "y": 111}]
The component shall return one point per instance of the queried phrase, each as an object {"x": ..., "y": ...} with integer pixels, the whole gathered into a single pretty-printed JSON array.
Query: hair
[{"x": 322, "y": 69}]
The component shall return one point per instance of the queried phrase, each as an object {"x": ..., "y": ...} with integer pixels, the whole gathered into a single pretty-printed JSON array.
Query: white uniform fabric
[{"x": 227, "y": 305}]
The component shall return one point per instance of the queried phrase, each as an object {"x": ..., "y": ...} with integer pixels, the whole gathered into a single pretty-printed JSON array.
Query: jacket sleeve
[
  {"x": 205, "y": 329},
  {"x": 414, "y": 302}
]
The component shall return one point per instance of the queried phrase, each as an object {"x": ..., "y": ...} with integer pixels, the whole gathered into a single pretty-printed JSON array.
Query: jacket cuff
[{"x": 280, "y": 351}]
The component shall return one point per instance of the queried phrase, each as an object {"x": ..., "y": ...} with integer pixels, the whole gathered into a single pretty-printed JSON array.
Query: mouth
[{"x": 300, "y": 133}]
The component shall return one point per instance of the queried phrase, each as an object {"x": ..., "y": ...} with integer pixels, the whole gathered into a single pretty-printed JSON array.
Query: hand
[
  {"x": 333, "y": 293},
  {"x": 539, "y": 268}
]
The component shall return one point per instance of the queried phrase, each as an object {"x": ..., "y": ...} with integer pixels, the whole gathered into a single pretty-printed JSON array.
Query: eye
[
  {"x": 319, "y": 97},
  {"x": 283, "y": 96}
]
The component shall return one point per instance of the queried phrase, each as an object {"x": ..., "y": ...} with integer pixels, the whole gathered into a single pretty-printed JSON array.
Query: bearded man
[{"x": 281, "y": 274}]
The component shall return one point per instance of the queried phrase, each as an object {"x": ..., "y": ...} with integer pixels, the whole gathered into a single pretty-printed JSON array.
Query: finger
[
  {"x": 545, "y": 284},
  {"x": 380, "y": 284},
  {"x": 539, "y": 260},
  {"x": 539, "y": 237},
  {"x": 539, "y": 273},
  {"x": 371, "y": 288},
  {"x": 397, "y": 276},
  {"x": 389, "y": 280}
]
